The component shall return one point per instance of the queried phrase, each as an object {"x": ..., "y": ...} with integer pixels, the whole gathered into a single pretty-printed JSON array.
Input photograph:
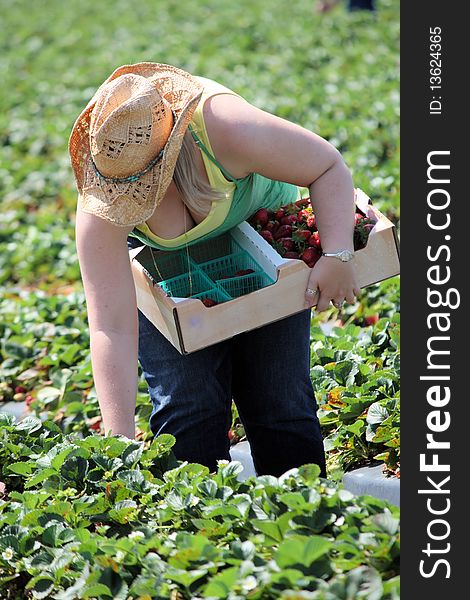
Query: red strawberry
[
  {"x": 288, "y": 243},
  {"x": 279, "y": 214},
  {"x": 303, "y": 202},
  {"x": 269, "y": 226},
  {"x": 267, "y": 235},
  {"x": 29, "y": 399},
  {"x": 314, "y": 240},
  {"x": 304, "y": 214},
  {"x": 357, "y": 218},
  {"x": 209, "y": 302},
  {"x": 371, "y": 319},
  {"x": 95, "y": 423},
  {"x": 261, "y": 217},
  {"x": 275, "y": 227},
  {"x": 242, "y": 272},
  {"x": 289, "y": 220},
  {"x": 301, "y": 235},
  {"x": 283, "y": 231},
  {"x": 291, "y": 255},
  {"x": 19, "y": 389},
  {"x": 231, "y": 435},
  {"x": 310, "y": 256},
  {"x": 361, "y": 233},
  {"x": 311, "y": 221}
]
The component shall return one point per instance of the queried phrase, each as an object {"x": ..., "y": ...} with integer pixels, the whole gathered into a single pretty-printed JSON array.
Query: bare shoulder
[
  {"x": 225, "y": 115},
  {"x": 247, "y": 139}
]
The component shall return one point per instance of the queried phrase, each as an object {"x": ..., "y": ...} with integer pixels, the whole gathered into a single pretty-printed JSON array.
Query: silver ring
[{"x": 311, "y": 292}]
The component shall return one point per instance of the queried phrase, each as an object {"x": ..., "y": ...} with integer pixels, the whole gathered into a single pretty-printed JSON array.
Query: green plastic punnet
[
  {"x": 214, "y": 248},
  {"x": 185, "y": 286},
  {"x": 216, "y": 294},
  {"x": 227, "y": 266},
  {"x": 240, "y": 286}
]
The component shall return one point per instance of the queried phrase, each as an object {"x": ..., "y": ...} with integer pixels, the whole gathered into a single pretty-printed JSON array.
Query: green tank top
[{"x": 250, "y": 194}]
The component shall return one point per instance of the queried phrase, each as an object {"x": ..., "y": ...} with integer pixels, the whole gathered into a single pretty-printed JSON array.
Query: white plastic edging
[
  {"x": 372, "y": 481},
  {"x": 366, "y": 480}
]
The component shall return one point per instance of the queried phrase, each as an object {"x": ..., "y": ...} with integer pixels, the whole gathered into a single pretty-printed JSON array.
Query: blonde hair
[{"x": 195, "y": 192}]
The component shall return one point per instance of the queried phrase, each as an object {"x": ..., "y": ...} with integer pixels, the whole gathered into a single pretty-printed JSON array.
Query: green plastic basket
[
  {"x": 223, "y": 245},
  {"x": 171, "y": 264},
  {"x": 240, "y": 286},
  {"x": 185, "y": 286},
  {"x": 216, "y": 294},
  {"x": 227, "y": 266}
]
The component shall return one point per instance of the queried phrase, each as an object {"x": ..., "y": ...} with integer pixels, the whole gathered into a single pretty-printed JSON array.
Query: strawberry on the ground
[
  {"x": 20, "y": 389},
  {"x": 283, "y": 231},
  {"x": 95, "y": 423}
]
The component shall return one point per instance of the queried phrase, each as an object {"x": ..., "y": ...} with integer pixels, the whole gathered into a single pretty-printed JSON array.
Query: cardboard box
[{"x": 190, "y": 326}]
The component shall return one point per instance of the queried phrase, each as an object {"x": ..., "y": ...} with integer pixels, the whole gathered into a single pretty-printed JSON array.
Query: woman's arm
[
  {"x": 112, "y": 318},
  {"x": 246, "y": 139}
]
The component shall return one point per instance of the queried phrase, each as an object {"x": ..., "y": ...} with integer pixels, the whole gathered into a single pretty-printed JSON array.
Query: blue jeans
[{"x": 267, "y": 373}]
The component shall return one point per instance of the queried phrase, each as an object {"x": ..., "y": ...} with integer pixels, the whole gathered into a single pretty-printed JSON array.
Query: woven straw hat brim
[{"x": 131, "y": 203}]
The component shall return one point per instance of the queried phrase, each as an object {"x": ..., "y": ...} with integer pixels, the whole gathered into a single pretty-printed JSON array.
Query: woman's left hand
[{"x": 334, "y": 280}]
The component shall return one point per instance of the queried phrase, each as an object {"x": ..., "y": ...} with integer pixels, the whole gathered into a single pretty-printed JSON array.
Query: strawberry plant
[
  {"x": 82, "y": 516},
  {"x": 355, "y": 374},
  {"x": 106, "y": 517}
]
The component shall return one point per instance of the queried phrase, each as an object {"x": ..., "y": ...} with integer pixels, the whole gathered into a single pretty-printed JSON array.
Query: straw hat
[{"x": 124, "y": 145}]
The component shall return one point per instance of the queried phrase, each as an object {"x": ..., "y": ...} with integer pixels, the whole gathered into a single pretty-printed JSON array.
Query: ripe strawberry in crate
[{"x": 292, "y": 230}]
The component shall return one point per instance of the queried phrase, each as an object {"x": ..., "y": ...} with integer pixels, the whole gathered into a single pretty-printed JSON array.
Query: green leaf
[
  {"x": 376, "y": 413},
  {"x": 273, "y": 529},
  {"x": 301, "y": 550},
  {"x": 41, "y": 586},
  {"x": 222, "y": 584},
  {"x": 29, "y": 424},
  {"x": 21, "y": 468}
]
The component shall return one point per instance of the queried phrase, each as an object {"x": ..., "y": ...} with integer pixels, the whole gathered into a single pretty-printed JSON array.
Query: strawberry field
[{"x": 84, "y": 516}]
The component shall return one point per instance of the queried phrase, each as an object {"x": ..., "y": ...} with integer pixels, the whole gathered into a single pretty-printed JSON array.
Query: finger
[
  {"x": 311, "y": 299},
  {"x": 338, "y": 299},
  {"x": 323, "y": 302},
  {"x": 350, "y": 297},
  {"x": 312, "y": 292},
  {"x": 338, "y": 304},
  {"x": 357, "y": 290}
]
